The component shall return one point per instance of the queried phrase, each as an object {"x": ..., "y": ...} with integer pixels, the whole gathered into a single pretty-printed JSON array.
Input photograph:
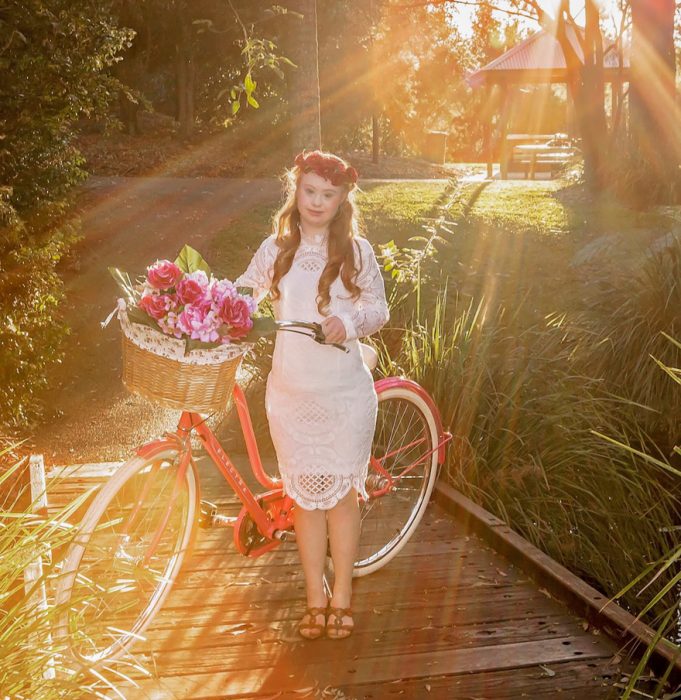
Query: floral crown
[{"x": 330, "y": 167}]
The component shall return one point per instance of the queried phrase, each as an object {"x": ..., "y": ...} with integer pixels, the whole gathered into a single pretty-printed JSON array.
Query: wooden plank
[
  {"x": 478, "y": 571},
  {"x": 369, "y": 594},
  {"x": 292, "y": 671},
  {"x": 575, "y": 680},
  {"x": 263, "y": 648},
  {"x": 448, "y": 611},
  {"x": 386, "y": 630},
  {"x": 385, "y": 614},
  {"x": 585, "y": 600}
]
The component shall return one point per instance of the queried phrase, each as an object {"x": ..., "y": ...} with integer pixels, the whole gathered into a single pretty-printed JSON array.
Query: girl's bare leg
[
  {"x": 311, "y": 536},
  {"x": 344, "y": 528}
]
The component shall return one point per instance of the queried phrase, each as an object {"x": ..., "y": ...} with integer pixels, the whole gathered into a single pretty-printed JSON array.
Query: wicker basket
[{"x": 155, "y": 367}]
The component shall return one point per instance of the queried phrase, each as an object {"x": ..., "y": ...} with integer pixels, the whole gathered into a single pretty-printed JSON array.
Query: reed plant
[
  {"x": 34, "y": 664},
  {"x": 629, "y": 319},
  {"x": 524, "y": 446},
  {"x": 662, "y": 602}
]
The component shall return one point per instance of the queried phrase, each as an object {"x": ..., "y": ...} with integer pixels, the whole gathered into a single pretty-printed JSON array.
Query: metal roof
[{"x": 539, "y": 58}]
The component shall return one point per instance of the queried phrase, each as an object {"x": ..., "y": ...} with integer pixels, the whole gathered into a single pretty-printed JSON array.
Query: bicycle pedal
[
  {"x": 207, "y": 515},
  {"x": 285, "y": 535}
]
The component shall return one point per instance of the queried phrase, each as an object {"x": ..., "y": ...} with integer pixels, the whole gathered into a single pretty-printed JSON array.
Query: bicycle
[{"x": 140, "y": 526}]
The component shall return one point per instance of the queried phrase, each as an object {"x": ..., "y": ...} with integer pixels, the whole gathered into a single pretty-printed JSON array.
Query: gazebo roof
[{"x": 540, "y": 59}]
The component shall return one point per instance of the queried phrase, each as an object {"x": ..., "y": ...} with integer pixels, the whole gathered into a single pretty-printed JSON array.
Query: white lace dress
[{"x": 320, "y": 401}]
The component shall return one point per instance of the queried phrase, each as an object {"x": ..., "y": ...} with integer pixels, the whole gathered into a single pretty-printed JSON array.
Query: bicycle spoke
[
  {"x": 398, "y": 482},
  {"x": 119, "y": 578}
]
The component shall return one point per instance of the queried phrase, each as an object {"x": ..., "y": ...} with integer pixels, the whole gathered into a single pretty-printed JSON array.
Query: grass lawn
[
  {"x": 508, "y": 241},
  {"x": 390, "y": 211},
  {"x": 545, "y": 243}
]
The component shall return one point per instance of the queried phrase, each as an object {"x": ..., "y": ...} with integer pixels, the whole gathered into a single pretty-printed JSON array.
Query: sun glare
[{"x": 462, "y": 16}]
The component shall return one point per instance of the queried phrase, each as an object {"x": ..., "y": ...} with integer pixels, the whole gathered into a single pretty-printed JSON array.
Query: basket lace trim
[{"x": 174, "y": 348}]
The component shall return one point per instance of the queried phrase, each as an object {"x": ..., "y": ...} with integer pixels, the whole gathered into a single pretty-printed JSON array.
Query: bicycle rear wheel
[
  {"x": 402, "y": 473},
  {"x": 126, "y": 555}
]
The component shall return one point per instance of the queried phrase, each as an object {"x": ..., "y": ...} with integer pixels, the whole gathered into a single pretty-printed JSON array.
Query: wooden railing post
[{"x": 34, "y": 581}]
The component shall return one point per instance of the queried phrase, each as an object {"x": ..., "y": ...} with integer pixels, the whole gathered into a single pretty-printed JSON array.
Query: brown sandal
[
  {"x": 336, "y": 629},
  {"x": 311, "y": 629}
]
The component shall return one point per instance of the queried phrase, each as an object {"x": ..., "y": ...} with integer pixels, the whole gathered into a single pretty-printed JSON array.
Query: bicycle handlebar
[{"x": 317, "y": 333}]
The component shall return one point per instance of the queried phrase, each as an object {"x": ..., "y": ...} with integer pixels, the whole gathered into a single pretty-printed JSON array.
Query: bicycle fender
[
  {"x": 394, "y": 382},
  {"x": 155, "y": 446}
]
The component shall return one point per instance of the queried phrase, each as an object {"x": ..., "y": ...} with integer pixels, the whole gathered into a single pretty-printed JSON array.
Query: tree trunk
[
  {"x": 592, "y": 100},
  {"x": 375, "y": 138},
  {"x": 131, "y": 70},
  {"x": 653, "y": 111},
  {"x": 585, "y": 86},
  {"x": 184, "y": 58},
  {"x": 304, "y": 101}
]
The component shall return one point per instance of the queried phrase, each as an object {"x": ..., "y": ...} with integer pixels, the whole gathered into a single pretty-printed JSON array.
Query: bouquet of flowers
[{"x": 183, "y": 300}]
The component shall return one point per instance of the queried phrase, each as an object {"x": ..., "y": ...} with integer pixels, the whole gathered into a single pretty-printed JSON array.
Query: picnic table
[{"x": 532, "y": 154}]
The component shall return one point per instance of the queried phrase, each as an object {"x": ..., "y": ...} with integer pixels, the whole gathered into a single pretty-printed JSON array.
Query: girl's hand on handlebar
[{"x": 333, "y": 329}]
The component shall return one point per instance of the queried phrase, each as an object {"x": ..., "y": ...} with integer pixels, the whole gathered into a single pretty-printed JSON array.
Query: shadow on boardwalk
[{"x": 448, "y": 618}]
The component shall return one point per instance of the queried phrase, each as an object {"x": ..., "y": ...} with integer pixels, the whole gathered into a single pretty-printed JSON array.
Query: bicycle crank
[{"x": 247, "y": 536}]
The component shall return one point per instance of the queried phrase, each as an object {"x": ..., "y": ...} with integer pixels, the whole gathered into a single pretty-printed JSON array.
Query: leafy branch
[{"x": 258, "y": 53}]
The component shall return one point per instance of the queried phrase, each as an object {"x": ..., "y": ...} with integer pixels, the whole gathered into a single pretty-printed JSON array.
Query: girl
[{"x": 320, "y": 402}]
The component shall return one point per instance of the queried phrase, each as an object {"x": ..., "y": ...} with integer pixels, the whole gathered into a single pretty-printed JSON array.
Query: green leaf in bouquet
[
  {"x": 245, "y": 291},
  {"x": 136, "y": 315},
  {"x": 192, "y": 344},
  {"x": 125, "y": 284},
  {"x": 190, "y": 260},
  {"x": 262, "y": 326}
]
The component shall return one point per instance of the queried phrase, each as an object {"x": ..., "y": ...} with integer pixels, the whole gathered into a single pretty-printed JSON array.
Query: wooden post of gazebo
[{"x": 506, "y": 99}]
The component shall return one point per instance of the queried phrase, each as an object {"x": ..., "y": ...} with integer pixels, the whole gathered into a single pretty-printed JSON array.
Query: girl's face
[{"x": 318, "y": 201}]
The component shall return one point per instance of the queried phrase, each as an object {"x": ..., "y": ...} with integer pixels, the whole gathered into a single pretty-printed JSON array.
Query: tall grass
[
  {"x": 523, "y": 419},
  {"x": 34, "y": 665},
  {"x": 629, "y": 321},
  {"x": 662, "y": 601}
]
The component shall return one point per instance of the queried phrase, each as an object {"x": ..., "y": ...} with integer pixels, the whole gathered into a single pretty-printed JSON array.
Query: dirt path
[{"x": 126, "y": 222}]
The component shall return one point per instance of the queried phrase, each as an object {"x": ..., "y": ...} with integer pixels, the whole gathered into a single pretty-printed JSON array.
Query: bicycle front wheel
[
  {"x": 126, "y": 555},
  {"x": 402, "y": 473}
]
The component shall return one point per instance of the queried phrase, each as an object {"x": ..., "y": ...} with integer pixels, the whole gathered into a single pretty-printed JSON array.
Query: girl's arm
[
  {"x": 371, "y": 309},
  {"x": 258, "y": 275}
]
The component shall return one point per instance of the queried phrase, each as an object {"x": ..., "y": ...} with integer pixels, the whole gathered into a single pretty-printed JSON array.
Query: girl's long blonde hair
[{"x": 342, "y": 231}]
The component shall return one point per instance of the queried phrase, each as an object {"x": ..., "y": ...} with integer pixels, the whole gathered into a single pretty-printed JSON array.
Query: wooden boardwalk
[{"x": 448, "y": 618}]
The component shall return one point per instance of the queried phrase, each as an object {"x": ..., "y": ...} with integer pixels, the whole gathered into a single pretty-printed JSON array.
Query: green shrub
[{"x": 53, "y": 61}]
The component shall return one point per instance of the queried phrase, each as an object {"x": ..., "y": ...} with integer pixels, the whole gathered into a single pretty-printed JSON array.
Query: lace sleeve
[
  {"x": 258, "y": 275},
  {"x": 371, "y": 309}
]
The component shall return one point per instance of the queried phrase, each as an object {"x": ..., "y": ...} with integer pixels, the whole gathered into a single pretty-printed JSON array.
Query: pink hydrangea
[
  {"x": 163, "y": 274},
  {"x": 192, "y": 287},
  {"x": 199, "y": 324},
  {"x": 169, "y": 325},
  {"x": 221, "y": 289}
]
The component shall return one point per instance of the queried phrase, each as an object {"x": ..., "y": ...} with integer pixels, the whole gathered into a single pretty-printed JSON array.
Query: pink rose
[
  {"x": 192, "y": 288},
  {"x": 163, "y": 274},
  {"x": 236, "y": 313},
  {"x": 156, "y": 305}
]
